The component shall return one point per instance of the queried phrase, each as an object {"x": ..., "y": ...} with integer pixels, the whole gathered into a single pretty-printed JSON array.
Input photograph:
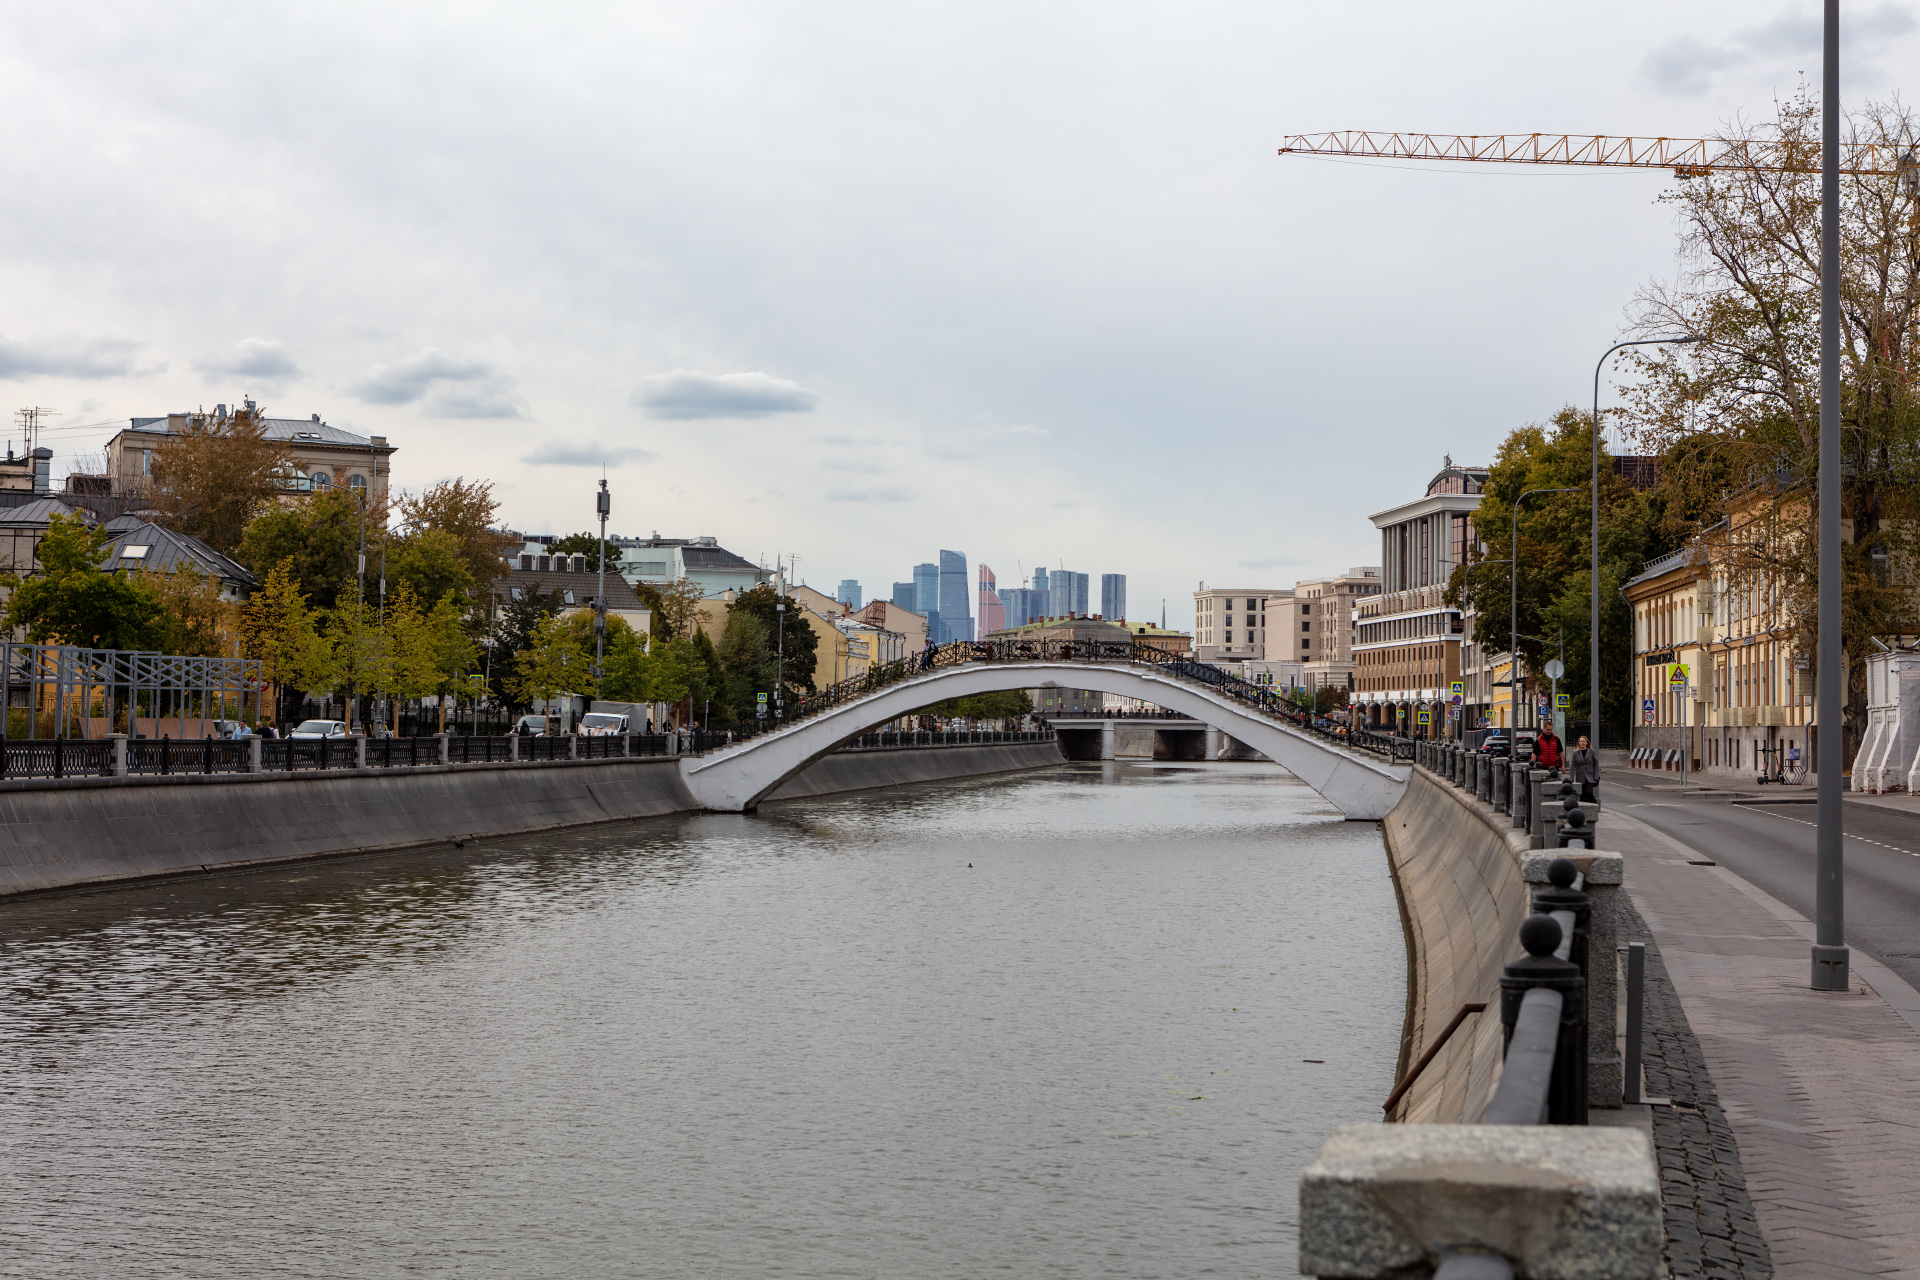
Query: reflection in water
[{"x": 1049, "y": 1024}]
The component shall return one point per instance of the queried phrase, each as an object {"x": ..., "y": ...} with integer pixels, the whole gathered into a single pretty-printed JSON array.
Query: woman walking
[{"x": 1585, "y": 764}]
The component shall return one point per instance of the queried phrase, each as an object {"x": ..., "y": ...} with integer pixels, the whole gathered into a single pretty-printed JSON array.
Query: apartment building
[
  {"x": 1317, "y": 629},
  {"x": 1230, "y": 623},
  {"x": 324, "y": 456},
  {"x": 1406, "y": 647}
]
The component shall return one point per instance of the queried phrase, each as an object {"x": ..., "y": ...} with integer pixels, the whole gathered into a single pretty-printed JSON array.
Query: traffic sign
[
  {"x": 1459, "y": 687},
  {"x": 1555, "y": 667},
  {"x": 1561, "y": 701},
  {"x": 1426, "y": 717},
  {"x": 1646, "y": 711},
  {"x": 1677, "y": 675}
]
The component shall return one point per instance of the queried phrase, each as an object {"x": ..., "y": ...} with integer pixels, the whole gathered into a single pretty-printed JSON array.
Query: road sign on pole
[
  {"x": 1562, "y": 701},
  {"x": 1646, "y": 711}
]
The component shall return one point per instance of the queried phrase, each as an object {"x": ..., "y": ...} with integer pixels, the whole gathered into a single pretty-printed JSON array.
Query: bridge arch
[{"x": 739, "y": 777}]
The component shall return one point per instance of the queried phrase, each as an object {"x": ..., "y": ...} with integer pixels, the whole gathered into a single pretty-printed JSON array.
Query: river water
[{"x": 1053, "y": 1024}]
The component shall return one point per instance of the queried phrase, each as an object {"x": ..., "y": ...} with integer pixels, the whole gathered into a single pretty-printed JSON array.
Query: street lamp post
[
  {"x": 1593, "y": 642},
  {"x": 780, "y": 657},
  {"x": 1830, "y": 955},
  {"x": 1513, "y": 617}
]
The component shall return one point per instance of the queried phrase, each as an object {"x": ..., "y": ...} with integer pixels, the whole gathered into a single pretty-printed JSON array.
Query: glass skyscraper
[
  {"x": 1113, "y": 597},
  {"x": 849, "y": 594},
  {"x": 956, "y": 611},
  {"x": 926, "y": 595}
]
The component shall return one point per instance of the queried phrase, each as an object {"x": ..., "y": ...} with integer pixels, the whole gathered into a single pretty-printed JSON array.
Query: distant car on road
[
  {"x": 1496, "y": 743},
  {"x": 603, "y": 724},
  {"x": 534, "y": 726},
  {"x": 319, "y": 729}
]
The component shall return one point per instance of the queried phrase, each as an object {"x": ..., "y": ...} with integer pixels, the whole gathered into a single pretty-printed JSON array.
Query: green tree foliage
[
  {"x": 743, "y": 665},
  {"x": 628, "y": 666},
  {"x": 319, "y": 534},
  {"x": 1554, "y": 549},
  {"x": 194, "y": 619},
  {"x": 72, "y": 601},
  {"x": 1005, "y": 704},
  {"x": 588, "y": 545},
  {"x": 554, "y": 663},
  {"x": 513, "y": 633},
  {"x": 467, "y": 511},
  {"x": 213, "y": 478},
  {"x": 1736, "y": 417},
  {"x": 281, "y": 632},
  {"x": 431, "y": 564}
]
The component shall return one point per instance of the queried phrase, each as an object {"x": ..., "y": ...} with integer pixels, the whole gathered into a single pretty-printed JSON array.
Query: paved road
[{"x": 1772, "y": 846}]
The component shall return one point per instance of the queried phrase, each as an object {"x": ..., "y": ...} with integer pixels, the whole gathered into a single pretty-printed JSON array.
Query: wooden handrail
[{"x": 1406, "y": 1083}]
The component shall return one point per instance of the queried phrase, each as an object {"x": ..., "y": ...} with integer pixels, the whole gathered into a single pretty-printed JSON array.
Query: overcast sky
[{"x": 860, "y": 281}]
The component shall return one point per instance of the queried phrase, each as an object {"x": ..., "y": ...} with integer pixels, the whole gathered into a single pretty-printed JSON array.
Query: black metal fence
[
  {"x": 187, "y": 755},
  {"x": 944, "y": 738},
  {"x": 55, "y": 758}
]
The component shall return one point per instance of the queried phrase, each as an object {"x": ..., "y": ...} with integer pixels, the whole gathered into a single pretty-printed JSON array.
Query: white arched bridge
[{"x": 1359, "y": 776}]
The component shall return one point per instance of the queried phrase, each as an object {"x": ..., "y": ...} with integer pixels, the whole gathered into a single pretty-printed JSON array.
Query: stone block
[{"x": 1560, "y": 1202}]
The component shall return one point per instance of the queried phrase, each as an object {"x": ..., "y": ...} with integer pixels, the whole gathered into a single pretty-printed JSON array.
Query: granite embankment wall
[
  {"x": 94, "y": 831},
  {"x": 1465, "y": 880}
]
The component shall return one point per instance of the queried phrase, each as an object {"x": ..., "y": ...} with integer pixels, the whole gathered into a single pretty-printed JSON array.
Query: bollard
[
  {"x": 1562, "y": 896},
  {"x": 1537, "y": 808},
  {"x": 1483, "y": 777},
  {"x": 445, "y": 754},
  {"x": 1517, "y": 785},
  {"x": 255, "y": 754},
  {"x": 1636, "y": 1002},
  {"x": 1567, "y": 1087},
  {"x": 1502, "y": 800}
]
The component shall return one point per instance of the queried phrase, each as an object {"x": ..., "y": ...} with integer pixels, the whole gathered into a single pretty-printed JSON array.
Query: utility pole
[
  {"x": 603, "y": 502},
  {"x": 359, "y": 618},
  {"x": 1830, "y": 955}
]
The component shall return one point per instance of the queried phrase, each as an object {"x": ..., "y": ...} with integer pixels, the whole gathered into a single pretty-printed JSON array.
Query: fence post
[
  {"x": 1502, "y": 776},
  {"x": 359, "y": 750},
  {"x": 573, "y": 746},
  {"x": 446, "y": 747},
  {"x": 1567, "y": 1087},
  {"x": 673, "y": 742},
  {"x": 1636, "y": 1000},
  {"x": 119, "y": 741},
  {"x": 513, "y": 747},
  {"x": 1537, "y": 807},
  {"x": 1521, "y": 794},
  {"x": 254, "y": 754}
]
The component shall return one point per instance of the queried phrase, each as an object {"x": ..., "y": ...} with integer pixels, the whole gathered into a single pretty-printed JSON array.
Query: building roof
[
  {"x": 621, "y": 598},
  {"x": 40, "y": 511},
  {"x": 292, "y": 430},
  {"x": 167, "y": 550},
  {"x": 716, "y": 560}
]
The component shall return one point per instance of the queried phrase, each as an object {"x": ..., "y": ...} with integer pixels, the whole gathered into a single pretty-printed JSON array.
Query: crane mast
[{"x": 1687, "y": 157}]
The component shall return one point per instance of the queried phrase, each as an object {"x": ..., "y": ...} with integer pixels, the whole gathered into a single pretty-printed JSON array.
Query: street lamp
[
  {"x": 603, "y": 502},
  {"x": 1513, "y": 617},
  {"x": 1593, "y": 652}
]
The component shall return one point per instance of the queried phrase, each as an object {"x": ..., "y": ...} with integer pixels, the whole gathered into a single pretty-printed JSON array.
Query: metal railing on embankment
[{"x": 1262, "y": 699}]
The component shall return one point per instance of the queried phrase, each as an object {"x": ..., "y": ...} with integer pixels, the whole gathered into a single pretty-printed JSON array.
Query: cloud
[
  {"x": 587, "y": 455},
  {"x": 894, "y": 494},
  {"x": 488, "y": 401},
  {"x": 250, "y": 358},
  {"x": 405, "y": 381},
  {"x": 687, "y": 393},
  {"x": 1271, "y": 562},
  {"x": 1686, "y": 67},
  {"x": 70, "y": 358}
]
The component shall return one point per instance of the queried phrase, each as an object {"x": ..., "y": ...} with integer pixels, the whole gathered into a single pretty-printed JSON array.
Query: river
[{"x": 1088, "y": 1021}]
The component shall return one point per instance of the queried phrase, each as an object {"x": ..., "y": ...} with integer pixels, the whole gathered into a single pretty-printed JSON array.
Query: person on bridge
[
  {"x": 1546, "y": 748},
  {"x": 1584, "y": 764}
]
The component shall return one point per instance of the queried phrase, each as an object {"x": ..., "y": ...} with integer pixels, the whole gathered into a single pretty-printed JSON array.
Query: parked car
[
  {"x": 1496, "y": 743},
  {"x": 319, "y": 729},
  {"x": 534, "y": 726}
]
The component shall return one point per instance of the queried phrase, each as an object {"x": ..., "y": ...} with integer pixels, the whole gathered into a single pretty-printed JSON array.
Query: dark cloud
[
  {"x": 566, "y": 454},
  {"x": 70, "y": 358},
  {"x": 687, "y": 393},
  {"x": 1686, "y": 67},
  {"x": 251, "y": 358}
]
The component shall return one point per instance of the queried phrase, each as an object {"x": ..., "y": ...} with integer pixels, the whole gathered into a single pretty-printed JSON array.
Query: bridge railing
[{"x": 1265, "y": 699}]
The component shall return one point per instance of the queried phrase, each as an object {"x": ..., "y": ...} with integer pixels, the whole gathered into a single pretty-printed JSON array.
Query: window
[
  {"x": 136, "y": 551},
  {"x": 566, "y": 597},
  {"x": 357, "y": 483},
  {"x": 322, "y": 481},
  {"x": 1229, "y": 621},
  {"x": 1306, "y": 608},
  {"x": 518, "y": 594}
]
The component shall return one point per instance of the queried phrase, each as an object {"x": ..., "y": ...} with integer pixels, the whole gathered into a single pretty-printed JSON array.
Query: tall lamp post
[
  {"x": 1593, "y": 652},
  {"x": 1513, "y": 619},
  {"x": 1831, "y": 960},
  {"x": 603, "y": 502}
]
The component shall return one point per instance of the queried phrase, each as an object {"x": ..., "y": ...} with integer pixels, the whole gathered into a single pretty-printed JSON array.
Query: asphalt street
[{"x": 1771, "y": 845}]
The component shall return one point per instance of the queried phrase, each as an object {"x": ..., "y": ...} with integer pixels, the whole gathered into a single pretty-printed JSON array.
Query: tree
[
  {"x": 1329, "y": 697},
  {"x": 1736, "y": 417},
  {"x": 801, "y": 642},
  {"x": 746, "y": 663},
  {"x": 279, "y": 630},
  {"x": 466, "y": 511},
  {"x": 362, "y": 653},
  {"x": 73, "y": 601},
  {"x": 216, "y": 475},
  {"x": 453, "y": 649},
  {"x": 1005, "y": 704},
  {"x": 194, "y": 619},
  {"x": 1554, "y": 550},
  {"x": 413, "y": 667},
  {"x": 628, "y": 666},
  {"x": 512, "y": 633},
  {"x": 588, "y": 545},
  {"x": 320, "y": 535},
  {"x": 676, "y": 607},
  {"x": 553, "y": 664},
  {"x": 432, "y": 564}
]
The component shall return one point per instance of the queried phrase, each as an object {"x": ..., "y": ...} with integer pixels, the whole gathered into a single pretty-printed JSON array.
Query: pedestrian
[
  {"x": 1546, "y": 748},
  {"x": 1585, "y": 766}
]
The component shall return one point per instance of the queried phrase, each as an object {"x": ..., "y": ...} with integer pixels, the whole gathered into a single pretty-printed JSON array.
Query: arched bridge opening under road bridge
[{"x": 1359, "y": 775}]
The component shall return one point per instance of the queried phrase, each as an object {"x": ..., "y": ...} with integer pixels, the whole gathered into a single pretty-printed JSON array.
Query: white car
[
  {"x": 319, "y": 729},
  {"x": 602, "y": 724}
]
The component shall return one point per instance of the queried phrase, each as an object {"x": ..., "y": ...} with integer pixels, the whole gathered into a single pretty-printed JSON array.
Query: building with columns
[{"x": 1406, "y": 646}]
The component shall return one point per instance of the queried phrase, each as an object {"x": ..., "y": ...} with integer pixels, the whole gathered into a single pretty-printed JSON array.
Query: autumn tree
[
  {"x": 279, "y": 630},
  {"x": 215, "y": 475},
  {"x": 1736, "y": 416},
  {"x": 676, "y": 607},
  {"x": 194, "y": 618},
  {"x": 433, "y": 565},
  {"x": 554, "y": 663},
  {"x": 795, "y": 657},
  {"x": 466, "y": 511},
  {"x": 318, "y": 535}
]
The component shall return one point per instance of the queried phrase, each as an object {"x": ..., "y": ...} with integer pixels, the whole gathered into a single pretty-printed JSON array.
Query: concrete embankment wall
[
  {"x": 889, "y": 767},
  {"x": 1465, "y": 880},
  {"x": 92, "y": 831}
]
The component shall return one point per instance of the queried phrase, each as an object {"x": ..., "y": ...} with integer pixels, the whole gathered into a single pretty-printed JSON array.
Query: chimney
[
  {"x": 219, "y": 413},
  {"x": 316, "y": 417}
]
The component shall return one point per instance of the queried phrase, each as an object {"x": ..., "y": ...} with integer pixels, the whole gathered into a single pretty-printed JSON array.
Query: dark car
[{"x": 1496, "y": 743}]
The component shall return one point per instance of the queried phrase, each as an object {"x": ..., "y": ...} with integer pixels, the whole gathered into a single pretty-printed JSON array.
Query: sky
[{"x": 855, "y": 282}]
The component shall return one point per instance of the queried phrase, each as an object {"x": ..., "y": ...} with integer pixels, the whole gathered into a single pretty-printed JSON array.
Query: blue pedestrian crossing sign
[
  {"x": 1646, "y": 711},
  {"x": 1561, "y": 700}
]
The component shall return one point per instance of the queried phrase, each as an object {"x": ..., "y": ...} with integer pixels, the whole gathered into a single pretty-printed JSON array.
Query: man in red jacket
[{"x": 1546, "y": 748}]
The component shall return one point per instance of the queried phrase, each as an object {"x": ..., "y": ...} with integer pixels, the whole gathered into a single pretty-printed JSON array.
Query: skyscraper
[
  {"x": 956, "y": 615},
  {"x": 1113, "y": 597},
  {"x": 926, "y": 595},
  {"x": 849, "y": 594},
  {"x": 1019, "y": 607},
  {"x": 906, "y": 597},
  {"x": 1067, "y": 593},
  {"x": 993, "y": 613},
  {"x": 1040, "y": 583}
]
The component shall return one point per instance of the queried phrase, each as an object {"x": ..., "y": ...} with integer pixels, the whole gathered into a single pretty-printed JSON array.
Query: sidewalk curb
[{"x": 1892, "y": 989}]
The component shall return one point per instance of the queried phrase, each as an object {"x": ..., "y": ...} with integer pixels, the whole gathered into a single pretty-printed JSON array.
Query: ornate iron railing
[
  {"x": 147, "y": 756},
  {"x": 55, "y": 758}
]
